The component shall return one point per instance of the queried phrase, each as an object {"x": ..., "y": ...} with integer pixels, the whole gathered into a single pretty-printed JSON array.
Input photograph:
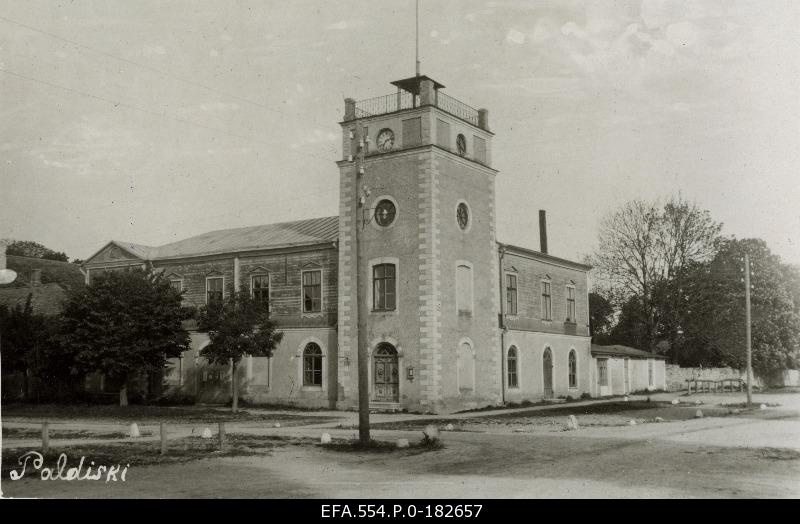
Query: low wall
[{"x": 677, "y": 376}]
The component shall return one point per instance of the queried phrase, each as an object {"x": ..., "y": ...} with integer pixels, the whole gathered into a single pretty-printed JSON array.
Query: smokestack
[
  {"x": 36, "y": 277},
  {"x": 542, "y": 231}
]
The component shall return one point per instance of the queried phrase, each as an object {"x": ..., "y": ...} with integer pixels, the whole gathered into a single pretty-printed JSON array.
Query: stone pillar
[
  {"x": 237, "y": 285},
  {"x": 483, "y": 119},
  {"x": 349, "y": 109},
  {"x": 426, "y": 92}
]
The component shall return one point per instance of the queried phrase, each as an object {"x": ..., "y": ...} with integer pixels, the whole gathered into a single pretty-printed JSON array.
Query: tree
[
  {"x": 122, "y": 324},
  {"x": 642, "y": 246},
  {"x": 24, "y": 334},
  {"x": 237, "y": 326},
  {"x": 601, "y": 315},
  {"x": 28, "y": 248},
  {"x": 713, "y": 312}
]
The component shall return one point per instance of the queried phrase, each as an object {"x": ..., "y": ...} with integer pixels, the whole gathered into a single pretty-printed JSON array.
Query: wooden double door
[{"x": 385, "y": 374}]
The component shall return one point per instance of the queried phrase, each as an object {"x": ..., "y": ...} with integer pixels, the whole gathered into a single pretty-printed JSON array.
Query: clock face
[
  {"x": 461, "y": 144},
  {"x": 385, "y": 140}
]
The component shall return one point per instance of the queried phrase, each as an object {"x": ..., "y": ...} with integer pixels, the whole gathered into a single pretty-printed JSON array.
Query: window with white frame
[
  {"x": 312, "y": 365},
  {"x": 176, "y": 284},
  {"x": 384, "y": 287},
  {"x": 511, "y": 367},
  {"x": 213, "y": 290},
  {"x": 547, "y": 301},
  {"x": 312, "y": 291},
  {"x": 511, "y": 294},
  {"x": 259, "y": 288},
  {"x": 570, "y": 303}
]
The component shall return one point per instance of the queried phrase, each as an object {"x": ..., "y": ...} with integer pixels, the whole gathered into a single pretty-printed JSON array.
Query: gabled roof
[
  {"x": 622, "y": 351},
  {"x": 270, "y": 236}
]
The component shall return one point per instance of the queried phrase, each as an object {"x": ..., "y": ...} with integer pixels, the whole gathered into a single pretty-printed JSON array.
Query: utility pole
[
  {"x": 747, "y": 330},
  {"x": 360, "y": 337}
]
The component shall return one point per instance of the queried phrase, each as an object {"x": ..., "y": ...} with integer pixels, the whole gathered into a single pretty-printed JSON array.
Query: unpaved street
[{"x": 756, "y": 454}]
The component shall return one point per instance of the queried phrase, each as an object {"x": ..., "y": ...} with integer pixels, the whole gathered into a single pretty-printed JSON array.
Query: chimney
[
  {"x": 36, "y": 277},
  {"x": 542, "y": 231}
]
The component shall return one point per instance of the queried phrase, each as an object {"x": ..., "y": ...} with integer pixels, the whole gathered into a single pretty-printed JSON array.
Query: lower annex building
[{"x": 452, "y": 318}]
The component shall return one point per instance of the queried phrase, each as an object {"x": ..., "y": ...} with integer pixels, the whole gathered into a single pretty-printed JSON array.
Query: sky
[{"x": 150, "y": 122}]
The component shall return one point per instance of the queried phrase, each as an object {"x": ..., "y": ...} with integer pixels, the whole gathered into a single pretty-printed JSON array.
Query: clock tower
[{"x": 418, "y": 266}]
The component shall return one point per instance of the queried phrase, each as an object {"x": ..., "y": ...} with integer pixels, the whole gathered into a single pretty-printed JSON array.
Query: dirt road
[{"x": 691, "y": 458}]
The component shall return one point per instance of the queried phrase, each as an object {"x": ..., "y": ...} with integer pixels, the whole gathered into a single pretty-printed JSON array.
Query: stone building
[{"x": 410, "y": 268}]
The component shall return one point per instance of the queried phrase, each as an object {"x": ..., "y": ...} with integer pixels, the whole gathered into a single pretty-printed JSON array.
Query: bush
[{"x": 586, "y": 395}]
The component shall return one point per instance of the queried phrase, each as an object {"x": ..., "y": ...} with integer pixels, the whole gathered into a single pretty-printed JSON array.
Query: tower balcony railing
[{"x": 381, "y": 105}]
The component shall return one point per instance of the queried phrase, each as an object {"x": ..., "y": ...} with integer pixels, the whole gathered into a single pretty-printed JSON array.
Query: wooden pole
[
  {"x": 359, "y": 338},
  {"x": 163, "y": 428},
  {"x": 222, "y": 436},
  {"x": 747, "y": 328},
  {"x": 45, "y": 437}
]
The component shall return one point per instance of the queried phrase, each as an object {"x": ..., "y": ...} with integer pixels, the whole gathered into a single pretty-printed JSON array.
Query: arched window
[
  {"x": 466, "y": 368},
  {"x": 573, "y": 369},
  {"x": 312, "y": 365},
  {"x": 511, "y": 367}
]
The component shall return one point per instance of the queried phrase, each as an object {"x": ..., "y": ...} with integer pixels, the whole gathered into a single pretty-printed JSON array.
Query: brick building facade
[{"x": 410, "y": 269}]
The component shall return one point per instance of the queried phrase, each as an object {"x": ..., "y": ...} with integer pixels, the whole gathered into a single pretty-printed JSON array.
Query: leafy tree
[
  {"x": 643, "y": 245},
  {"x": 122, "y": 324},
  {"x": 601, "y": 316},
  {"x": 713, "y": 310},
  {"x": 24, "y": 334},
  {"x": 237, "y": 326},
  {"x": 28, "y": 248}
]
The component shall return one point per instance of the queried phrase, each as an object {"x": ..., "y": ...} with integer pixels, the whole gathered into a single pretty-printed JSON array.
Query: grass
[
  {"x": 382, "y": 446},
  {"x": 148, "y": 453},
  {"x": 28, "y": 433},
  {"x": 143, "y": 414}
]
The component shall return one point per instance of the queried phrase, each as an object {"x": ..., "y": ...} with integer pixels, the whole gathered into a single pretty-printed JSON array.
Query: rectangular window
[
  {"x": 412, "y": 132},
  {"x": 479, "y": 147},
  {"x": 650, "y": 365},
  {"x": 312, "y": 291},
  {"x": 384, "y": 288},
  {"x": 443, "y": 134},
  {"x": 177, "y": 285},
  {"x": 547, "y": 304},
  {"x": 213, "y": 290},
  {"x": 464, "y": 289},
  {"x": 602, "y": 372},
  {"x": 570, "y": 304},
  {"x": 511, "y": 294},
  {"x": 259, "y": 287}
]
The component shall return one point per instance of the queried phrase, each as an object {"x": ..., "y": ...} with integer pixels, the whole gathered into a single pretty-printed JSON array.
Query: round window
[
  {"x": 462, "y": 215},
  {"x": 385, "y": 212}
]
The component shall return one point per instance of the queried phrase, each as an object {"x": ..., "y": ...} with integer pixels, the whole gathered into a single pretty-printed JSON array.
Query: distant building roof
[
  {"x": 66, "y": 274},
  {"x": 622, "y": 351},
  {"x": 46, "y": 299},
  {"x": 270, "y": 236},
  {"x": 545, "y": 257}
]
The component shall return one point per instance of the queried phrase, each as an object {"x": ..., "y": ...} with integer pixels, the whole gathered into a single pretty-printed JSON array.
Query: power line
[
  {"x": 156, "y": 113},
  {"x": 144, "y": 66}
]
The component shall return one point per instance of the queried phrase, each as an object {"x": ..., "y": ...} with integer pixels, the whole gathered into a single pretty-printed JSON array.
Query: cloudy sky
[{"x": 153, "y": 121}]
